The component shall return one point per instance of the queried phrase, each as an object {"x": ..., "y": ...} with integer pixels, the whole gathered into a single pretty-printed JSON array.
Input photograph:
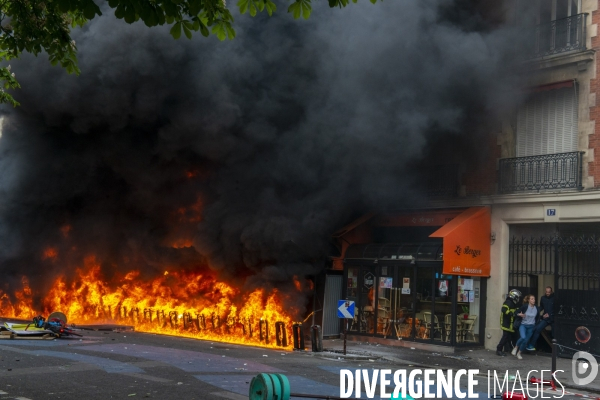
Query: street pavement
[
  {"x": 119, "y": 365},
  {"x": 483, "y": 360}
]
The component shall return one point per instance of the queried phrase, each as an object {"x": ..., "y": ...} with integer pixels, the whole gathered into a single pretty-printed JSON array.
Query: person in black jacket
[
  {"x": 529, "y": 315},
  {"x": 547, "y": 309},
  {"x": 507, "y": 316}
]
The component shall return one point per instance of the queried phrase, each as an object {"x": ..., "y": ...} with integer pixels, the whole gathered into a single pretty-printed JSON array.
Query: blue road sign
[{"x": 345, "y": 309}]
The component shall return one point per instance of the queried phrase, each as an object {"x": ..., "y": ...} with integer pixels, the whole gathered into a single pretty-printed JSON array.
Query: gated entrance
[{"x": 573, "y": 264}]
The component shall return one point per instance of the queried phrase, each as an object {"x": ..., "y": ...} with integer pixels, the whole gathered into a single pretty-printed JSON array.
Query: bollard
[
  {"x": 315, "y": 338},
  {"x": 280, "y": 334},
  {"x": 298, "y": 336},
  {"x": 554, "y": 354}
]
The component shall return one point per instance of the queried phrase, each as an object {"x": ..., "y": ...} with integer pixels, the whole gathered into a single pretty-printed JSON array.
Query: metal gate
[
  {"x": 574, "y": 263},
  {"x": 333, "y": 293}
]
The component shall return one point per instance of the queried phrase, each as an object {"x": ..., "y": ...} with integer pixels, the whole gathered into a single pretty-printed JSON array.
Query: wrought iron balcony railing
[
  {"x": 537, "y": 173},
  {"x": 559, "y": 36}
]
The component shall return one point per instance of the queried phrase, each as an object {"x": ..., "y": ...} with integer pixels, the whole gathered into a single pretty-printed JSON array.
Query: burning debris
[{"x": 177, "y": 303}]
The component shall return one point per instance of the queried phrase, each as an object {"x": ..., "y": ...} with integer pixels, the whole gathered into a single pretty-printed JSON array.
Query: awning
[{"x": 466, "y": 243}]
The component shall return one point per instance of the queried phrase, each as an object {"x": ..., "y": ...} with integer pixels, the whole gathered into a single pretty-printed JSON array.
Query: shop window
[{"x": 467, "y": 309}]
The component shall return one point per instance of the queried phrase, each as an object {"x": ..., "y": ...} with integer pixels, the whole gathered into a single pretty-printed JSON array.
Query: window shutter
[{"x": 547, "y": 123}]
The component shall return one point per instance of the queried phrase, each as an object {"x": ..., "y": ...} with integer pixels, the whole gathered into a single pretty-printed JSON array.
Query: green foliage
[
  {"x": 8, "y": 82},
  {"x": 36, "y": 26},
  {"x": 300, "y": 8}
]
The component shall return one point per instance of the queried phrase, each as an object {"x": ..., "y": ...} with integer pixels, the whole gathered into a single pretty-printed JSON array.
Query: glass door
[
  {"x": 427, "y": 324},
  {"x": 384, "y": 300},
  {"x": 366, "y": 299},
  {"x": 402, "y": 303}
]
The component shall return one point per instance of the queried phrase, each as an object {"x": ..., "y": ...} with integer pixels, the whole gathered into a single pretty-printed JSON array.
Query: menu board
[{"x": 465, "y": 290}]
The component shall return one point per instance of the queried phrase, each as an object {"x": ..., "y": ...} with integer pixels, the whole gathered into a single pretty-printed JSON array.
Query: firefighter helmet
[{"x": 514, "y": 295}]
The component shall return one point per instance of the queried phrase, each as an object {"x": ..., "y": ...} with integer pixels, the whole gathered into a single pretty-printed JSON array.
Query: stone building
[{"x": 540, "y": 194}]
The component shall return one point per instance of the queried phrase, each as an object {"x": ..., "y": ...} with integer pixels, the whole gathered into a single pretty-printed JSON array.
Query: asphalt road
[{"x": 130, "y": 365}]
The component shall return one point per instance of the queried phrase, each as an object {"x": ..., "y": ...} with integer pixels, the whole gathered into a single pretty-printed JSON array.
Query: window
[
  {"x": 558, "y": 24},
  {"x": 544, "y": 11},
  {"x": 547, "y": 122}
]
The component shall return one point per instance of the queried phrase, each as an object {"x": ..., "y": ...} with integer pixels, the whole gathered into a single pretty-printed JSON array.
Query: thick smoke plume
[{"x": 253, "y": 151}]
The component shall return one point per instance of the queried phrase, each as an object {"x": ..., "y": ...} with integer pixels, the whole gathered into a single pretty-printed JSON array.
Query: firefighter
[{"x": 507, "y": 316}]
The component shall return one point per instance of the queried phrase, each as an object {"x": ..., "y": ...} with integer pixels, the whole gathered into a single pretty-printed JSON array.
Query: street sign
[{"x": 345, "y": 309}]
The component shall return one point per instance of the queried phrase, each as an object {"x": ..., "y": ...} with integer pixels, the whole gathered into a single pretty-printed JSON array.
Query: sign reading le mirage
[{"x": 466, "y": 243}]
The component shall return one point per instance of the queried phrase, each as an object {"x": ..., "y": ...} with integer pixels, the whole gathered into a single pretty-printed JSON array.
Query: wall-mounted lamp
[{"x": 492, "y": 237}]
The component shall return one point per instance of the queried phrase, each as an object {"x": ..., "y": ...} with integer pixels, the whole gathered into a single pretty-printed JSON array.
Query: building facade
[{"x": 541, "y": 185}]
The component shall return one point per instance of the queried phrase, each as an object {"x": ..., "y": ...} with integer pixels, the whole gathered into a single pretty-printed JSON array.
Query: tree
[{"x": 36, "y": 26}]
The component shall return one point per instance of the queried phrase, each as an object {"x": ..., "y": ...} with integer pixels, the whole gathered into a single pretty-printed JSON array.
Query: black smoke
[{"x": 282, "y": 135}]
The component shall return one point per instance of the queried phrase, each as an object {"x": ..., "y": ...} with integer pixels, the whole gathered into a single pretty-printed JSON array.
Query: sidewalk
[{"x": 481, "y": 359}]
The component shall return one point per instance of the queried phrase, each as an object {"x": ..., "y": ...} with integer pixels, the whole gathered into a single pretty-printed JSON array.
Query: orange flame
[
  {"x": 49, "y": 253},
  {"x": 191, "y": 304}
]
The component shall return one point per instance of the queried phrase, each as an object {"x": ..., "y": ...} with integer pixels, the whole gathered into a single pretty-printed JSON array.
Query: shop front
[{"x": 432, "y": 291}]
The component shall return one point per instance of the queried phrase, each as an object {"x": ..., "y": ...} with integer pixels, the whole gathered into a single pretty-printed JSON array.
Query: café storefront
[{"x": 431, "y": 291}]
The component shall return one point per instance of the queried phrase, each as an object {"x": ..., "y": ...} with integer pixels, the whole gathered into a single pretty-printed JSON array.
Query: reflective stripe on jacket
[{"x": 507, "y": 315}]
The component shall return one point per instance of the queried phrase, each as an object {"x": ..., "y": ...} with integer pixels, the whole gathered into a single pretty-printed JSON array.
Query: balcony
[
  {"x": 540, "y": 173},
  {"x": 559, "y": 36}
]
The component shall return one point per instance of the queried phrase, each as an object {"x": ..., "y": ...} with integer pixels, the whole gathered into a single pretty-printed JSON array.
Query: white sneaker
[
  {"x": 519, "y": 356},
  {"x": 514, "y": 351}
]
